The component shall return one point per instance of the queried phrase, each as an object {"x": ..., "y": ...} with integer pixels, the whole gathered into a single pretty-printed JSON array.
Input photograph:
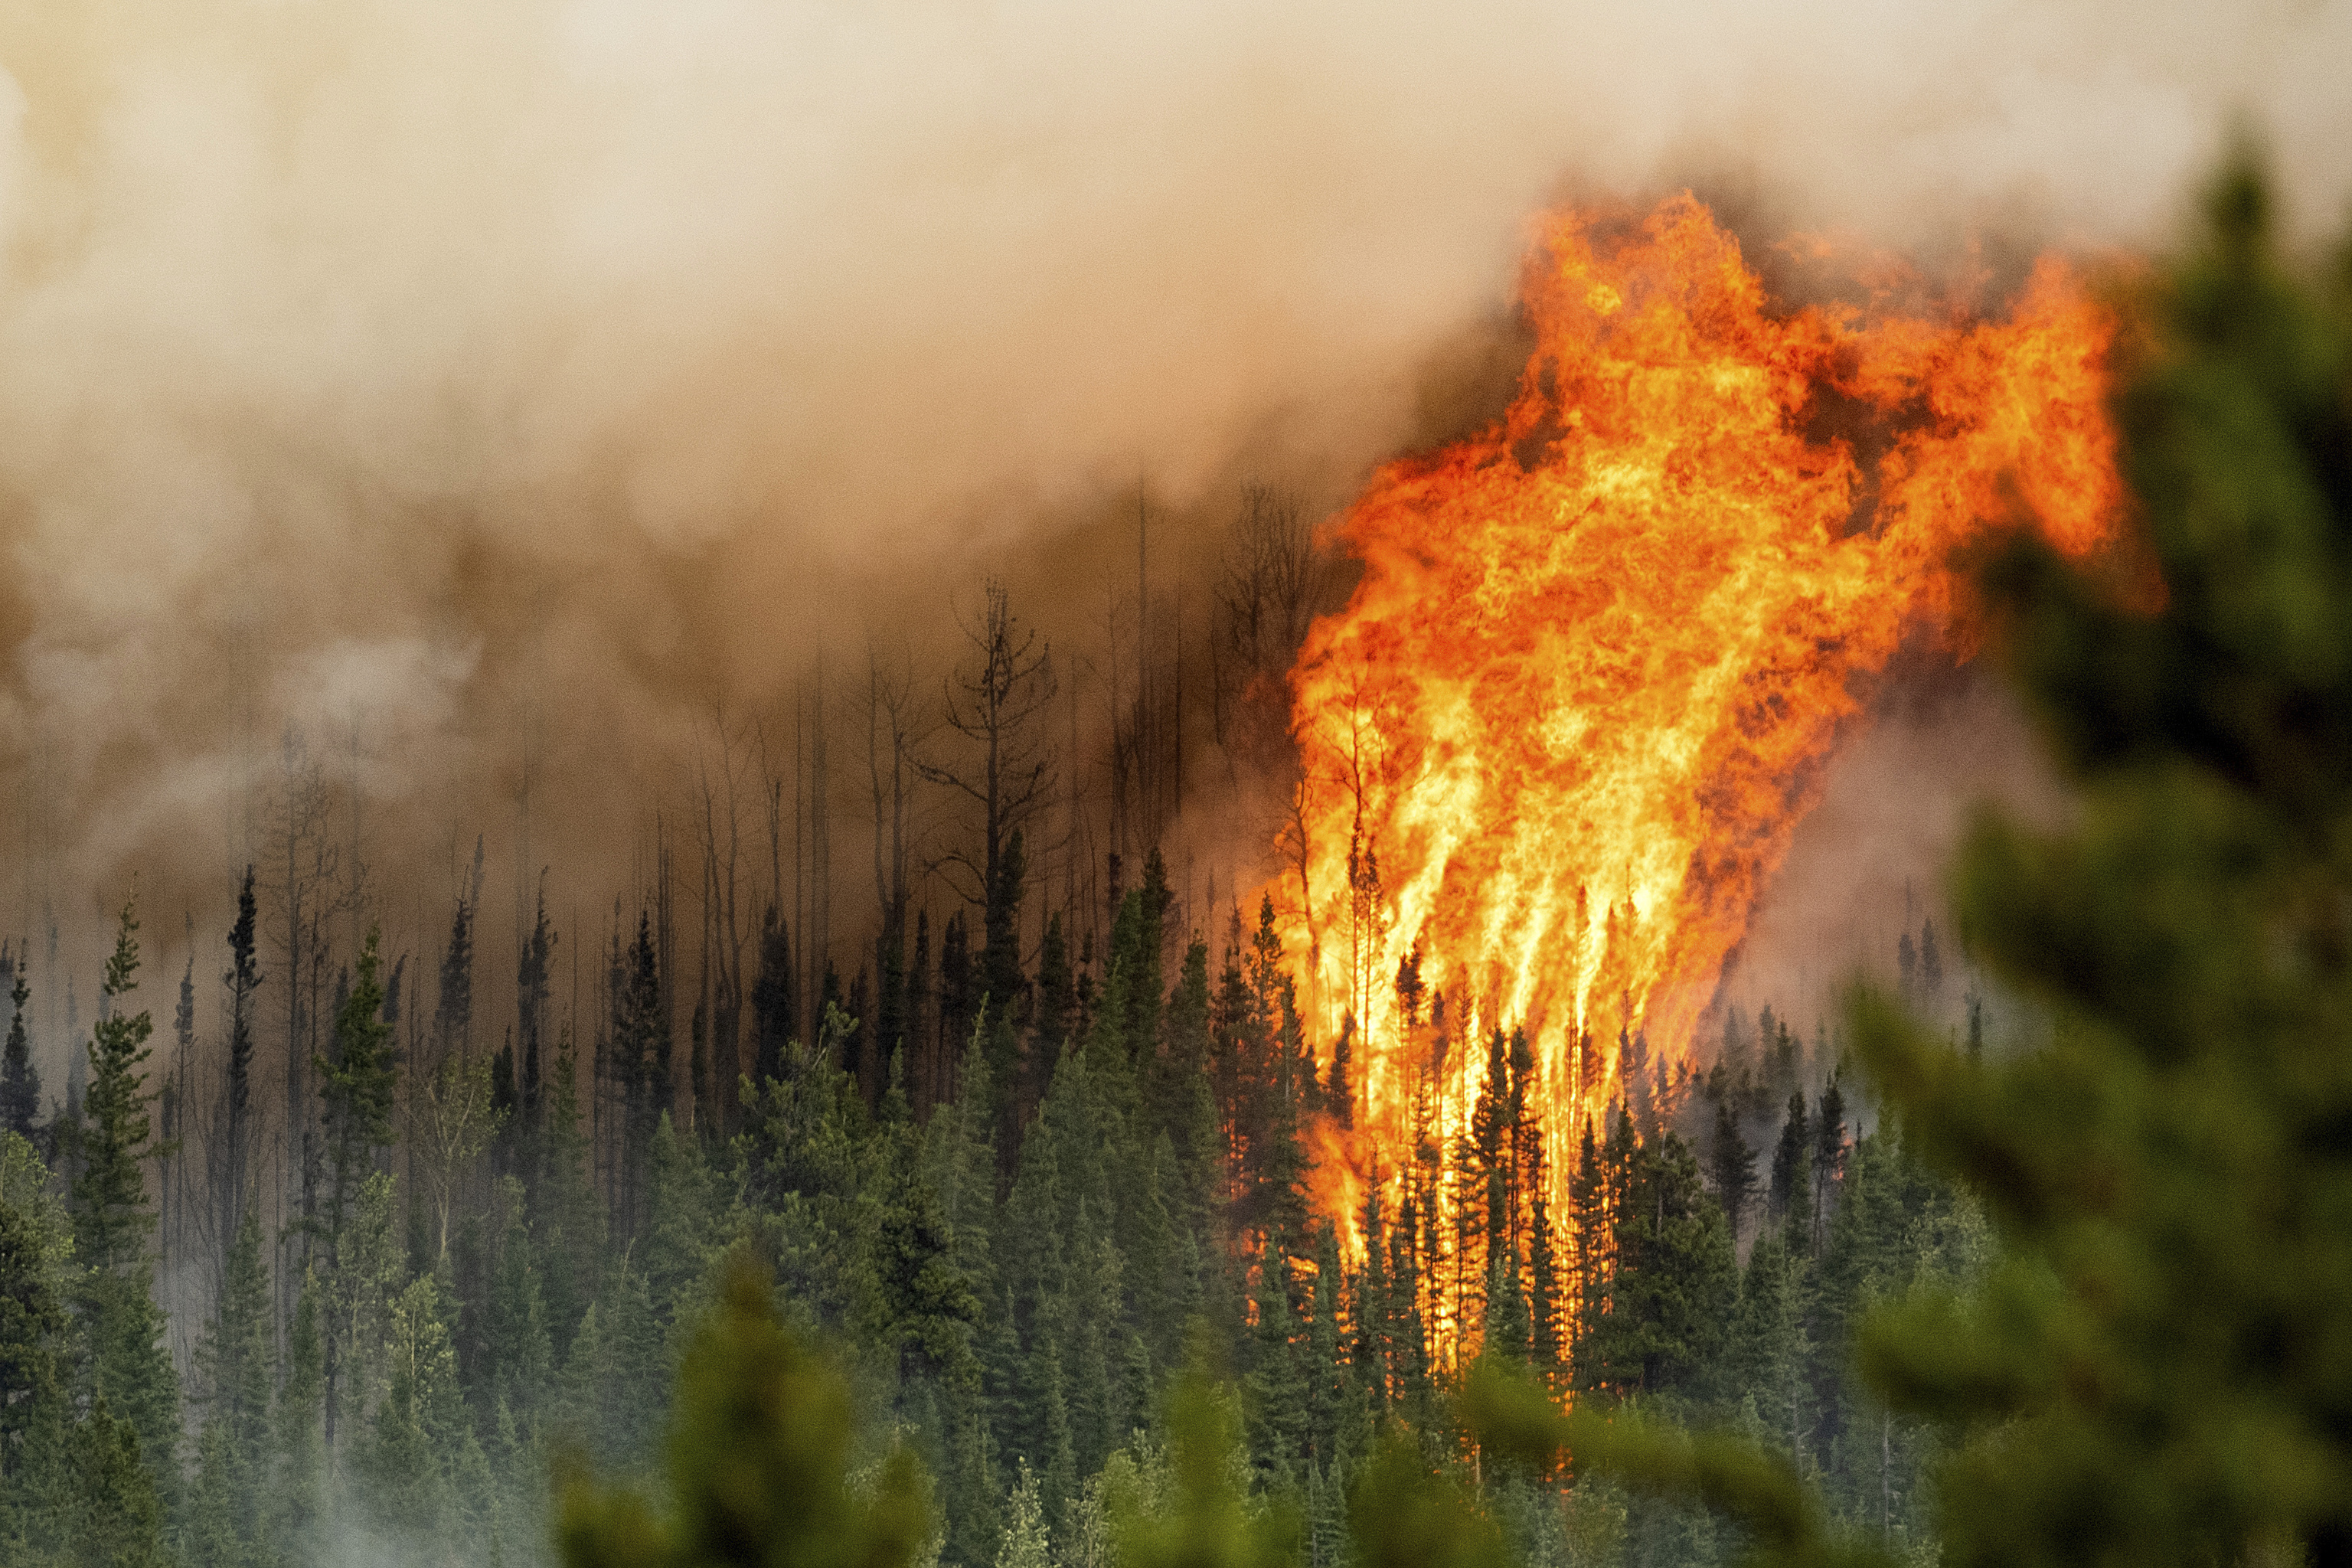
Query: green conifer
[
  {"x": 128, "y": 1365},
  {"x": 298, "y": 1495},
  {"x": 115, "y": 1519},
  {"x": 758, "y": 1464},
  {"x": 20, "y": 1083}
]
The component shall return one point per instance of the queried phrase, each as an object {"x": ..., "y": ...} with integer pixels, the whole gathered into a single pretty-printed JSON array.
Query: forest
[{"x": 1012, "y": 1247}]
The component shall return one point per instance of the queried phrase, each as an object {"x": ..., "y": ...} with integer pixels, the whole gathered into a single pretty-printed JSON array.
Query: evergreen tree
[
  {"x": 355, "y": 1092},
  {"x": 758, "y": 1466},
  {"x": 233, "y": 1136},
  {"x": 1275, "y": 1388},
  {"x": 534, "y": 1039},
  {"x": 569, "y": 1224},
  {"x": 1731, "y": 1164},
  {"x": 927, "y": 1307},
  {"x": 1655, "y": 1322},
  {"x": 1547, "y": 1334},
  {"x": 641, "y": 1052},
  {"x": 235, "y": 1367},
  {"x": 115, "y": 1519},
  {"x": 20, "y": 1083},
  {"x": 773, "y": 1005},
  {"x": 958, "y": 994},
  {"x": 1057, "y": 1002},
  {"x": 1829, "y": 1153},
  {"x": 127, "y": 1362},
  {"x": 1140, "y": 954},
  {"x": 2158, "y": 1354},
  {"x": 297, "y": 1494},
  {"x": 32, "y": 1335},
  {"x": 1791, "y": 1157},
  {"x": 211, "y": 1538},
  {"x": 519, "y": 1353}
]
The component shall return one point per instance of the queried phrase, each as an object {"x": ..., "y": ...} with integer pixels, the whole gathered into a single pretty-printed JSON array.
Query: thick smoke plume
[{"x": 492, "y": 390}]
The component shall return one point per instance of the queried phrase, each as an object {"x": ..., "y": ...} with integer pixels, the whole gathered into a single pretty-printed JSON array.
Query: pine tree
[
  {"x": 297, "y": 1492},
  {"x": 759, "y": 1464},
  {"x": 1547, "y": 1337},
  {"x": 773, "y": 1005},
  {"x": 1731, "y": 1165},
  {"x": 1656, "y": 1321},
  {"x": 235, "y": 1368},
  {"x": 2159, "y": 1355},
  {"x": 1275, "y": 1388},
  {"x": 1791, "y": 1157},
  {"x": 1828, "y": 1154},
  {"x": 20, "y": 1083},
  {"x": 115, "y": 1519},
  {"x": 518, "y": 1352},
  {"x": 128, "y": 1365},
  {"x": 232, "y": 1144},
  {"x": 355, "y": 1092},
  {"x": 533, "y": 1040},
  {"x": 32, "y": 1335}
]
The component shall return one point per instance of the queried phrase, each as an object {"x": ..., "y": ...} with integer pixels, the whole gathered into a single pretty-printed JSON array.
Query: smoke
[
  {"x": 492, "y": 390},
  {"x": 1868, "y": 866}
]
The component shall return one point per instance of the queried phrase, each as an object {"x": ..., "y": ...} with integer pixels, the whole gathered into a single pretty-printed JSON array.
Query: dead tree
[
  {"x": 999, "y": 705},
  {"x": 1271, "y": 584},
  {"x": 896, "y": 727},
  {"x": 719, "y": 823},
  {"x": 311, "y": 887}
]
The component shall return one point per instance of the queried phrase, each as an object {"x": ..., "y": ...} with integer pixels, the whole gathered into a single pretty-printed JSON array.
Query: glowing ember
[{"x": 1559, "y": 738}]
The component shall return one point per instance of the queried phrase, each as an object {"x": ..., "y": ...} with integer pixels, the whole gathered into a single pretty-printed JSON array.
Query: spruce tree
[
  {"x": 1791, "y": 1158},
  {"x": 297, "y": 1493},
  {"x": 355, "y": 1092},
  {"x": 518, "y": 1352},
  {"x": 232, "y": 1145},
  {"x": 758, "y": 1466},
  {"x": 123, "y": 1326},
  {"x": 2161, "y": 1356},
  {"x": 113, "y": 1518},
  {"x": 1547, "y": 1332},
  {"x": 1828, "y": 1154},
  {"x": 32, "y": 1334},
  {"x": 927, "y": 1307},
  {"x": 1057, "y": 1002},
  {"x": 1656, "y": 1321},
  {"x": 235, "y": 1368},
  {"x": 211, "y": 1538},
  {"x": 20, "y": 1083},
  {"x": 1731, "y": 1165},
  {"x": 1276, "y": 1387},
  {"x": 773, "y": 1005}
]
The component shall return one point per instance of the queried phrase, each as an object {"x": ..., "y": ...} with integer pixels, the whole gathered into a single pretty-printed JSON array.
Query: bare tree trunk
[{"x": 820, "y": 919}]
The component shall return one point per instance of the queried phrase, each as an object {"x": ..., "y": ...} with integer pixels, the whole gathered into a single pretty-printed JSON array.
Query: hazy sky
[{"x": 430, "y": 364}]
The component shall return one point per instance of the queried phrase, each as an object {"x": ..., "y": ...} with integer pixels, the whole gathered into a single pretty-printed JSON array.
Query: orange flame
[{"x": 1559, "y": 738}]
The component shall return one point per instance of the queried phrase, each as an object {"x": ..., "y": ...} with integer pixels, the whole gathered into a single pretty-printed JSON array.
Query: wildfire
[{"x": 1559, "y": 738}]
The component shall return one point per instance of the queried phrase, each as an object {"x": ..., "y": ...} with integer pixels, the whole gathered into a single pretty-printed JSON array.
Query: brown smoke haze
[{"x": 494, "y": 390}]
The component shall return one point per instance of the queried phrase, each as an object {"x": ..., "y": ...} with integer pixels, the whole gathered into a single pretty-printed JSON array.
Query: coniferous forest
[{"x": 1006, "y": 1249}]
